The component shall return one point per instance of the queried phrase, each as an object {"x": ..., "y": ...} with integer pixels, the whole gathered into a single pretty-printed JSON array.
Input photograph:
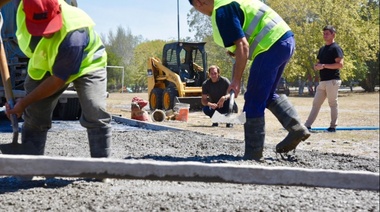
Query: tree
[
  {"x": 200, "y": 24},
  {"x": 120, "y": 47},
  {"x": 356, "y": 22},
  {"x": 142, "y": 52}
]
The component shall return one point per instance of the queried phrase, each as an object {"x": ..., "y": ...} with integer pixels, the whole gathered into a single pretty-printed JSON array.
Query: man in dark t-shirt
[
  {"x": 329, "y": 63},
  {"x": 214, "y": 94}
]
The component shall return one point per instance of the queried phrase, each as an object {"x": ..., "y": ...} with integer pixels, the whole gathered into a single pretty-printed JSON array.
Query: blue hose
[{"x": 347, "y": 128}]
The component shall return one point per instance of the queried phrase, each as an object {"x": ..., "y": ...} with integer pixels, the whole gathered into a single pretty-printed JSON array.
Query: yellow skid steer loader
[{"x": 178, "y": 77}]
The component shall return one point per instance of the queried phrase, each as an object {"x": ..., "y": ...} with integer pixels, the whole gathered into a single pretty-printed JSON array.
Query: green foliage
[
  {"x": 200, "y": 24},
  {"x": 356, "y": 21},
  {"x": 357, "y": 24},
  {"x": 120, "y": 47},
  {"x": 142, "y": 53}
]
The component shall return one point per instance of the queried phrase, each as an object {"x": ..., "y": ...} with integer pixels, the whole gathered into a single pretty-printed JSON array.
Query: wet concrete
[{"x": 58, "y": 125}]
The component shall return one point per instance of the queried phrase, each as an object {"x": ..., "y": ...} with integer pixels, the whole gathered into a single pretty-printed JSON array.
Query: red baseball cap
[{"x": 42, "y": 16}]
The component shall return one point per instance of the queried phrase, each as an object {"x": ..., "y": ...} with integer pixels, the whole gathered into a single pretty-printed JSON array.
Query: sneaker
[
  {"x": 229, "y": 125},
  {"x": 331, "y": 129},
  {"x": 215, "y": 124}
]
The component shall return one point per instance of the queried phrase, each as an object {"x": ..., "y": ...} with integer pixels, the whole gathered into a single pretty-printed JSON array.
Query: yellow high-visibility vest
[
  {"x": 262, "y": 26},
  {"x": 43, "y": 57}
]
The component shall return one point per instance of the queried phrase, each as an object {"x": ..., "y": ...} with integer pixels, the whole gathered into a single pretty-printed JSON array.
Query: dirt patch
[{"x": 355, "y": 110}]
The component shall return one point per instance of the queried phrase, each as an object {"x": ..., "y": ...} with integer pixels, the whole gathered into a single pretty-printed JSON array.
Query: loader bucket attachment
[{"x": 194, "y": 102}]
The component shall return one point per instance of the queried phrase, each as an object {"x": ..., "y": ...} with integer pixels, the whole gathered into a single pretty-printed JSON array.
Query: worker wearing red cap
[{"x": 63, "y": 48}]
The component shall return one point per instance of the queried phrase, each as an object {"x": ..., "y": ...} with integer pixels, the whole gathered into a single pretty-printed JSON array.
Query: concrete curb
[
  {"x": 143, "y": 124},
  {"x": 25, "y": 165}
]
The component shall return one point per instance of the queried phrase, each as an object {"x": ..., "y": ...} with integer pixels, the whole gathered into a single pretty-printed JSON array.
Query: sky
[{"x": 152, "y": 19}]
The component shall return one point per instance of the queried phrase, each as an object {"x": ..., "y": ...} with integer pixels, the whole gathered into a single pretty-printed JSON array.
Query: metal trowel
[{"x": 230, "y": 117}]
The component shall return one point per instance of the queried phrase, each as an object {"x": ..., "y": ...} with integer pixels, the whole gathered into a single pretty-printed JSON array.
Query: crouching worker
[
  {"x": 63, "y": 47},
  {"x": 215, "y": 96}
]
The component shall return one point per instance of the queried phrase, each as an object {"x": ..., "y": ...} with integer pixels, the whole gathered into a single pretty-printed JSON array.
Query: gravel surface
[{"x": 73, "y": 194}]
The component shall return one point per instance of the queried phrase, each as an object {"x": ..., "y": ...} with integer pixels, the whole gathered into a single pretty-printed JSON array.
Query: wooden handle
[
  {"x": 3, "y": 2},
  {"x": 8, "y": 90},
  {"x": 5, "y": 74}
]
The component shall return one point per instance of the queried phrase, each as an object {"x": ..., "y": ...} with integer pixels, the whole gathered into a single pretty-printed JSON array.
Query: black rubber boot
[
  {"x": 100, "y": 146},
  {"x": 288, "y": 117},
  {"x": 100, "y": 142},
  {"x": 254, "y": 136},
  {"x": 33, "y": 141}
]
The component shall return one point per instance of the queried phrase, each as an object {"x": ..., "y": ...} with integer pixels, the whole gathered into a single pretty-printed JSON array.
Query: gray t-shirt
[{"x": 215, "y": 90}]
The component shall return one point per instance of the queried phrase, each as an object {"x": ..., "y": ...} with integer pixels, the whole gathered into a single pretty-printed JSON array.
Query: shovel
[
  {"x": 230, "y": 117},
  {"x": 14, "y": 147}
]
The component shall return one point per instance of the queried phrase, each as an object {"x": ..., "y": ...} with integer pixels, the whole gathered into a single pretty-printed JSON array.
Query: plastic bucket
[{"x": 183, "y": 111}]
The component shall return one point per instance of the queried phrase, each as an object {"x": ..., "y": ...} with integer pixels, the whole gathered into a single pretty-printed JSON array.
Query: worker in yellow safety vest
[
  {"x": 62, "y": 48},
  {"x": 250, "y": 30}
]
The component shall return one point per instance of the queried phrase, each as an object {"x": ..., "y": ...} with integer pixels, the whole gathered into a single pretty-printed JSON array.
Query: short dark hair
[
  {"x": 191, "y": 2},
  {"x": 329, "y": 28},
  {"x": 214, "y": 66}
]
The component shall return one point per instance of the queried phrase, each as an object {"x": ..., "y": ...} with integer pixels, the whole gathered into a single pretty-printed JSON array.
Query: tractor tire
[
  {"x": 169, "y": 97},
  {"x": 155, "y": 99}
]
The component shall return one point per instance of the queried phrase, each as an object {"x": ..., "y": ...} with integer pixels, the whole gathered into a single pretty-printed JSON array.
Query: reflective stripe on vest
[
  {"x": 98, "y": 52},
  {"x": 268, "y": 27}
]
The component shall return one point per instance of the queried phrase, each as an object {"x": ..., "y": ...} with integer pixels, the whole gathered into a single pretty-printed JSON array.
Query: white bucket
[{"x": 183, "y": 111}]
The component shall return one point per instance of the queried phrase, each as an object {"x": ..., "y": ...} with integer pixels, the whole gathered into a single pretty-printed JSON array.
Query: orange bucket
[{"x": 183, "y": 111}]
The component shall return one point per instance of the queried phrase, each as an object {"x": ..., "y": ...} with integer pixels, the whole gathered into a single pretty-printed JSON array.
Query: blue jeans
[{"x": 265, "y": 72}]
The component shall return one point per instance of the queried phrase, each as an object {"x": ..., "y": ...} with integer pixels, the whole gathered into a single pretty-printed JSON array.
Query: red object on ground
[
  {"x": 141, "y": 102},
  {"x": 137, "y": 111}
]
